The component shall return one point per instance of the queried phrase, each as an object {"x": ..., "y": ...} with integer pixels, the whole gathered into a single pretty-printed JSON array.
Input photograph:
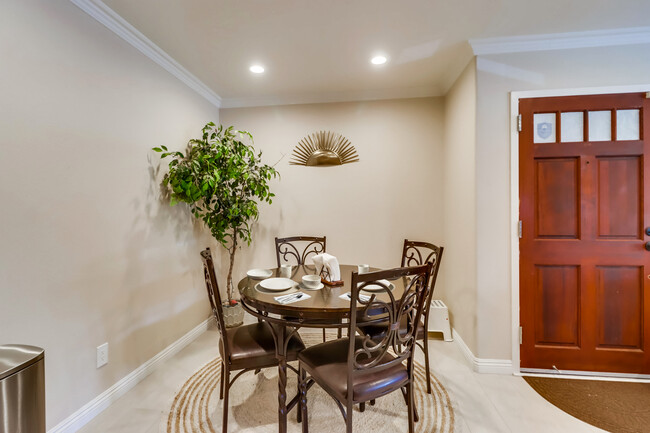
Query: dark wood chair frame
[
  {"x": 416, "y": 253},
  {"x": 227, "y": 366},
  {"x": 371, "y": 356}
]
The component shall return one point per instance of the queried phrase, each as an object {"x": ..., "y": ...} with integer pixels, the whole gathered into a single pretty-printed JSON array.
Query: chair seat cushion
[
  {"x": 327, "y": 364},
  {"x": 253, "y": 346},
  {"x": 378, "y": 331}
]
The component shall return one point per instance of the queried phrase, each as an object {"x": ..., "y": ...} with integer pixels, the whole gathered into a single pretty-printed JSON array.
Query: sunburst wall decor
[{"x": 324, "y": 148}]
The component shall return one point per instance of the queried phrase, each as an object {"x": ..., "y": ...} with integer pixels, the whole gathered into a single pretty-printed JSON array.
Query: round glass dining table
[{"x": 323, "y": 309}]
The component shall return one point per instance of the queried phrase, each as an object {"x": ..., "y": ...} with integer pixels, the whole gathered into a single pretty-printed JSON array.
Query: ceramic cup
[
  {"x": 311, "y": 281},
  {"x": 285, "y": 271},
  {"x": 364, "y": 269}
]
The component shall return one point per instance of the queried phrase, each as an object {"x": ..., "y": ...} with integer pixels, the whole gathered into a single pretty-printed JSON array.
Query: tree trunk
[{"x": 229, "y": 286}]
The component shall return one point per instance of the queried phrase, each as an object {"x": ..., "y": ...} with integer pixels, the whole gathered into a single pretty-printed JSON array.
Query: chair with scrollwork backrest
[
  {"x": 296, "y": 249},
  {"x": 416, "y": 253},
  {"x": 359, "y": 368},
  {"x": 244, "y": 348}
]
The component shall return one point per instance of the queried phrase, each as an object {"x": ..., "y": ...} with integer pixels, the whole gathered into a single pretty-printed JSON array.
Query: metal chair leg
[
  {"x": 426, "y": 362},
  {"x": 409, "y": 392},
  {"x": 224, "y": 428},
  {"x": 348, "y": 417},
  {"x": 416, "y": 417},
  {"x": 299, "y": 410},
  {"x": 324, "y": 335},
  {"x": 223, "y": 367},
  {"x": 303, "y": 402}
]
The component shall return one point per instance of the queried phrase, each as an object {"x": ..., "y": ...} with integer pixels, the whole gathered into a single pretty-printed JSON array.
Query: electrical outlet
[{"x": 102, "y": 355}]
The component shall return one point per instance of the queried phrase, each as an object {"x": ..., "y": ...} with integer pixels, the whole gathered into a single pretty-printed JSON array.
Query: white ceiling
[{"x": 319, "y": 50}]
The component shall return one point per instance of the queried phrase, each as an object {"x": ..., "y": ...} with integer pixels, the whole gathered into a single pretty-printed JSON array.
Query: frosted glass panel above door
[
  {"x": 600, "y": 125},
  {"x": 627, "y": 124},
  {"x": 572, "y": 125},
  {"x": 544, "y": 127}
]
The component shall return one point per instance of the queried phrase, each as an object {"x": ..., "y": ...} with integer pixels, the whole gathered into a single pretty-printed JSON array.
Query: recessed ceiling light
[
  {"x": 256, "y": 69},
  {"x": 378, "y": 60}
]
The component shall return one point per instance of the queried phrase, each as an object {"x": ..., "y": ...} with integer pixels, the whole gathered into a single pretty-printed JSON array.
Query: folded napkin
[
  {"x": 348, "y": 297},
  {"x": 291, "y": 298},
  {"x": 330, "y": 263}
]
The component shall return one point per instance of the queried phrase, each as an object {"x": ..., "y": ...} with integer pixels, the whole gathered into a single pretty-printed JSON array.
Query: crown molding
[
  {"x": 561, "y": 41},
  {"x": 118, "y": 25},
  {"x": 322, "y": 98}
]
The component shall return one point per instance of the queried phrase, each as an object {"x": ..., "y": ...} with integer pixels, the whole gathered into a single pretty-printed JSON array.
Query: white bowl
[{"x": 311, "y": 281}]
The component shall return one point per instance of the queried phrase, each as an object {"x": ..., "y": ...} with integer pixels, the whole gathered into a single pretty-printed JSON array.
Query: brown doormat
[{"x": 612, "y": 406}]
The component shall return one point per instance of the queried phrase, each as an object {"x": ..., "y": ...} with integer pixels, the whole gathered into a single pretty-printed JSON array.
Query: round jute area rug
[{"x": 254, "y": 401}]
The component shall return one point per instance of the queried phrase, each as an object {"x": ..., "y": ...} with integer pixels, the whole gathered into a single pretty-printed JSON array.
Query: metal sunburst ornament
[{"x": 324, "y": 148}]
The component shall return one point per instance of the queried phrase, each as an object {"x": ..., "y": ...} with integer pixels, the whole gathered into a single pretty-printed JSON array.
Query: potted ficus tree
[{"x": 222, "y": 179}]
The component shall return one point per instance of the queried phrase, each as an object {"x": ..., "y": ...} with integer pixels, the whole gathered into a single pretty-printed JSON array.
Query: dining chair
[
  {"x": 243, "y": 348},
  {"x": 415, "y": 253},
  {"x": 296, "y": 250},
  {"x": 357, "y": 369}
]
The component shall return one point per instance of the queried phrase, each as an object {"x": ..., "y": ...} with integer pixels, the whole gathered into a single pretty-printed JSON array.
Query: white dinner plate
[
  {"x": 377, "y": 287},
  {"x": 259, "y": 274},
  {"x": 277, "y": 284}
]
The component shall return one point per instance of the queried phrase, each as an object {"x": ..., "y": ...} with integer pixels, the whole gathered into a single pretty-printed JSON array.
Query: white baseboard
[
  {"x": 93, "y": 408},
  {"x": 482, "y": 365}
]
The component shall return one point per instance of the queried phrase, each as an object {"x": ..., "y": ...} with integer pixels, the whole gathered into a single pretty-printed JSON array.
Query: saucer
[{"x": 320, "y": 286}]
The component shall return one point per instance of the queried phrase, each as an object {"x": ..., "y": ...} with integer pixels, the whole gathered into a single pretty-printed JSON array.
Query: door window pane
[
  {"x": 544, "y": 127},
  {"x": 572, "y": 125},
  {"x": 600, "y": 125},
  {"x": 627, "y": 124}
]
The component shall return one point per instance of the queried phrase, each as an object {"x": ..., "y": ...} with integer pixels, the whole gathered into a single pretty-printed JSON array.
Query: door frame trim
[{"x": 515, "y": 96}]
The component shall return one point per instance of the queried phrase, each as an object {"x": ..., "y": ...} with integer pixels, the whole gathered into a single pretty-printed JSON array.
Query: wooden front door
[{"x": 584, "y": 209}]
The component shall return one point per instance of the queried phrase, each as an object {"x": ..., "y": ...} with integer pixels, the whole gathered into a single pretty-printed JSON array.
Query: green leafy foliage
[{"x": 222, "y": 179}]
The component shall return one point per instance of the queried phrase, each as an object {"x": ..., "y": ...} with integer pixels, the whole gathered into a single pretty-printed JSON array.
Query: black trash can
[{"x": 22, "y": 389}]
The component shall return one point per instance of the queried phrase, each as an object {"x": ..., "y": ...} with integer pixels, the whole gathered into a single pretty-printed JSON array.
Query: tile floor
[{"x": 483, "y": 402}]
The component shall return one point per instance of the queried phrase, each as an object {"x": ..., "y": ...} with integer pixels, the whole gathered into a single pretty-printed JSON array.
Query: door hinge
[
  {"x": 519, "y": 122},
  {"x": 520, "y": 229},
  {"x": 521, "y": 335}
]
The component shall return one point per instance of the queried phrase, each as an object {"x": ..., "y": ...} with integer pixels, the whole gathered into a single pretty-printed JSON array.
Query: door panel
[
  {"x": 619, "y": 210},
  {"x": 558, "y": 305},
  {"x": 584, "y": 270},
  {"x": 557, "y": 200},
  {"x": 620, "y": 301}
]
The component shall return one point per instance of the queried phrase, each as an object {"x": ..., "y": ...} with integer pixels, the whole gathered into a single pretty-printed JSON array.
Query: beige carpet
[{"x": 253, "y": 405}]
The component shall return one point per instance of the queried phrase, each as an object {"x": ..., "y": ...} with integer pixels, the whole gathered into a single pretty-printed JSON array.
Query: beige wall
[
  {"x": 457, "y": 286},
  {"x": 497, "y": 76},
  {"x": 367, "y": 208},
  {"x": 88, "y": 253}
]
